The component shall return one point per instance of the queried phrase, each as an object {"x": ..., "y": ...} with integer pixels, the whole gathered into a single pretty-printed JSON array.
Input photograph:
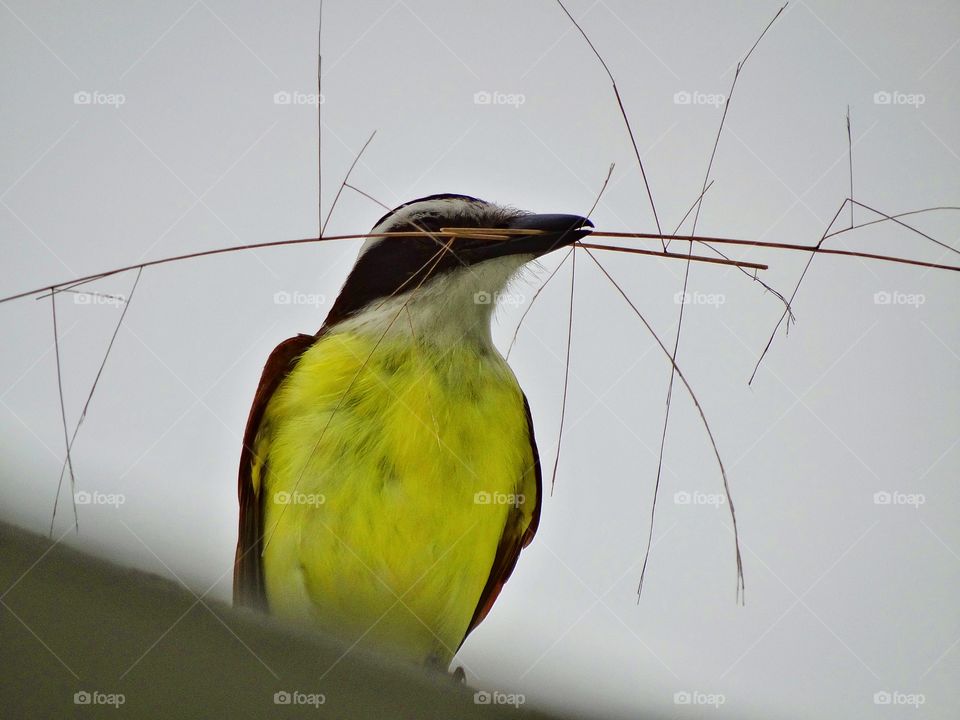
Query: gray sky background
[{"x": 846, "y": 597}]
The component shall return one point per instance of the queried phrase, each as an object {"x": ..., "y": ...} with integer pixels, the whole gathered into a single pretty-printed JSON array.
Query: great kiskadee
[{"x": 389, "y": 476}]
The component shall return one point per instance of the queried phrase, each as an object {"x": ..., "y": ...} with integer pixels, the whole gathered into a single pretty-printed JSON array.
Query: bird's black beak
[{"x": 554, "y": 231}]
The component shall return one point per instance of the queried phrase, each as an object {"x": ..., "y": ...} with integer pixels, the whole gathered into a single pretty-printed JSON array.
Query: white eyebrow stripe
[{"x": 409, "y": 213}]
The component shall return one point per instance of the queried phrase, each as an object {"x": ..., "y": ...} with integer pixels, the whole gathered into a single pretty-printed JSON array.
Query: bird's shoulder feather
[
  {"x": 518, "y": 532},
  {"x": 249, "y": 589}
]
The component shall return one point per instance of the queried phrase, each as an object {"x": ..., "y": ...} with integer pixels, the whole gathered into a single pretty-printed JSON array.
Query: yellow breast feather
[{"x": 390, "y": 478}]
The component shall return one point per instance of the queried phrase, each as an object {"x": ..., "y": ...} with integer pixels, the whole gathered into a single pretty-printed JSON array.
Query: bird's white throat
[{"x": 455, "y": 307}]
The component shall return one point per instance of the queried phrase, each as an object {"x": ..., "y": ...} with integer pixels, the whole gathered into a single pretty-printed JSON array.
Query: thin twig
[
  {"x": 723, "y": 118},
  {"x": 623, "y": 114},
  {"x": 367, "y": 195},
  {"x": 118, "y": 299},
  {"x": 793, "y": 295},
  {"x": 346, "y": 177},
  {"x": 683, "y": 305},
  {"x": 819, "y": 250},
  {"x": 552, "y": 274},
  {"x": 902, "y": 224},
  {"x": 63, "y": 415},
  {"x": 713, "y": 153},
  {"x": 676, "y": 256},
  {"x": 703, "y": 417},
  {"x": 75, "y": 282},
  {"x": 752, "y": 276},
  {"x": 603, "y": 189},
  {"x": 204, "y": 253},
  {"x": 888, "y": 218},
  {"x": 320, "y": 120},
  {"x": 566, "y": 370},
  {"x": 815, "y": 249},
  {"x": 526, "y": 310},
  {"x": 421, "y": 372},
  {"x": 850, "y": 161},
  {"x": 93, "y": 387},
  {"x": 566, "y": 366}
]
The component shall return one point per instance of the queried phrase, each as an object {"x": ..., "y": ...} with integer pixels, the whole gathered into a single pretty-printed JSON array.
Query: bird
[{"x": 389, "y": 476}]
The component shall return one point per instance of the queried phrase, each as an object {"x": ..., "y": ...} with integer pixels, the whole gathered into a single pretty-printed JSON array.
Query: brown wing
[
  {"x": 248, "y": 584},
  {"x": 515, "y": 538}
]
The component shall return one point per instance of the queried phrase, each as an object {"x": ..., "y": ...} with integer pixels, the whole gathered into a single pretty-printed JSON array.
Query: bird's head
[{"x": 440, "y": 279}]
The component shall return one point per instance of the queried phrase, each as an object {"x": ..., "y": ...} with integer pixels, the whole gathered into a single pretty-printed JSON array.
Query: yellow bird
[{"x": 389, "y": 476}]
